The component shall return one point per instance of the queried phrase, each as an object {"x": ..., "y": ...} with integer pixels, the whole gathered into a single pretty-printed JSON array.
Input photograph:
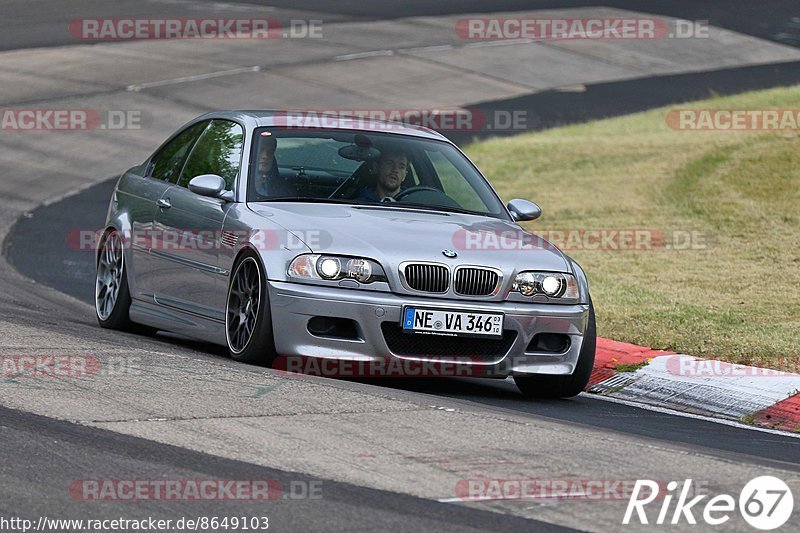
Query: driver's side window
[
  {"x": 167, "y": 164},
  {"x": 218, "y": 151}
]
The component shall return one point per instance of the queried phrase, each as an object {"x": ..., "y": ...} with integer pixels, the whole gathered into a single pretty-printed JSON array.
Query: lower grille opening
[
  {"x": 420, "y": 345},
  {"x": 549, "y": 342},
  {"x": 340, "y": 328}
]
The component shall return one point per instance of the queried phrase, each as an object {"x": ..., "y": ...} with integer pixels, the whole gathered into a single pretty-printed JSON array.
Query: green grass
[
  {"x": 630, "y": 367},
  {"x": 735, "y": 298}
]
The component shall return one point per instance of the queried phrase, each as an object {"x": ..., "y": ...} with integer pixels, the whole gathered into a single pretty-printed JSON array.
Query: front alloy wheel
[{"x": 248, "y": 324}]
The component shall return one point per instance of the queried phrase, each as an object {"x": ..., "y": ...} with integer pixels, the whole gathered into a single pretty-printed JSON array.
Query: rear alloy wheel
[
  {"x": 547, "y": 386},
  {"x": 112, "y": 299},
  {"x": 248, "y": 323}
]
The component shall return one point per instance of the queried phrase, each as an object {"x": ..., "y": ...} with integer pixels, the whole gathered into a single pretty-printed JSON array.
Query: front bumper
[{"x": 294, "y": 304}]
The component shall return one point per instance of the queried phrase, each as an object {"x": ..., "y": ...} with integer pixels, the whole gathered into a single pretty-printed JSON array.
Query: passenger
[{"x": 390, "y": 170}]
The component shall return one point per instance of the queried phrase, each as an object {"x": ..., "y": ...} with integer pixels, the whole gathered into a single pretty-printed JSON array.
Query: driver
[
  {"x": 391, "y": 170},
  {"x": 267, "y": 169}
]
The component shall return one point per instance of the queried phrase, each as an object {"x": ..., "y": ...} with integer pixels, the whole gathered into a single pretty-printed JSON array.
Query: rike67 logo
[{"x": 765, "y": 503}]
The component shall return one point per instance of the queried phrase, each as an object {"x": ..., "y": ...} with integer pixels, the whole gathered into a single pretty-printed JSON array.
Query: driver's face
[{"x": 391, "y": 172}]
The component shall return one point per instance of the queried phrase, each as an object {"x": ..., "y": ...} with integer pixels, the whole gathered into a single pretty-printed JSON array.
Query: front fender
[
  {"x": 580, "y": 275},
  {"x": 274, "y": 244}
]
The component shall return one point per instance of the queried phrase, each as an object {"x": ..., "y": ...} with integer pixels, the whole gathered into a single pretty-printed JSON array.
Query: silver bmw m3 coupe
[{"x": 341, "y": 239}]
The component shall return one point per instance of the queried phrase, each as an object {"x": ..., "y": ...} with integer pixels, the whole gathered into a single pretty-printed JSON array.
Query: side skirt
[{"x": 176, "y": 321}]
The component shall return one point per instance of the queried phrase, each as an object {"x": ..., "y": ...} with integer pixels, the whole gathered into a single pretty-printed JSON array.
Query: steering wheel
[
  {"x": 340, "y": 190},
  {"x": 411, "y": 190}
]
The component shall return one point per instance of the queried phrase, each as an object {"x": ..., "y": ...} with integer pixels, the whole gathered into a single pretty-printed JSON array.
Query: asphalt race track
[
  {"x": 31, "y": 29},
  {"x": 387, "y": 454},
  {"x": 32, "y": 237},
  {"x": 342, "y": 507}
]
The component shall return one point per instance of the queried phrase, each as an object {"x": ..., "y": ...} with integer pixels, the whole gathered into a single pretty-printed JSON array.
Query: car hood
[{"x": 392, "y": 235}]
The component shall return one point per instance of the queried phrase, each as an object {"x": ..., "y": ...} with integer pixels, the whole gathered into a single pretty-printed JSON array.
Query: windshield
[{"x": 366, "y": 168}]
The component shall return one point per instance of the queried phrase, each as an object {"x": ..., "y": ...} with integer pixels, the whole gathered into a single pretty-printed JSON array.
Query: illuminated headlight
[
  {"x": 551, "y": 284},
  {"x": 334, "y": 268},
  {"x": 329, "y": 267}
]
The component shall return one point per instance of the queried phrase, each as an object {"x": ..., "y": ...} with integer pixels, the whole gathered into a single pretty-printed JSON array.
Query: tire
[
  {"x": 112, "y": 299},
  {"x": 248, "y": 321},
  {"x": 545, "y": 386},
  {"x": 119, "y": 316}
]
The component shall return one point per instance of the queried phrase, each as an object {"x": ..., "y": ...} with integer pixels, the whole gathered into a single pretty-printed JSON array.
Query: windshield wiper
[
  {"x": 308, "y": 199},
  {"x": 428, "y": 207},
  {"x": 379, "y": 205}
]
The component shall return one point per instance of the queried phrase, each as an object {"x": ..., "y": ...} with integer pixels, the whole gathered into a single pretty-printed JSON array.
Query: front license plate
[{"x": 452, "y": 323}]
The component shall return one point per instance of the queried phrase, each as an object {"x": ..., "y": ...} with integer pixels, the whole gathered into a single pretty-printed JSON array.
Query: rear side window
[
  {"x": 218, "y": 151},
  {"x": 168, "y": 162}
]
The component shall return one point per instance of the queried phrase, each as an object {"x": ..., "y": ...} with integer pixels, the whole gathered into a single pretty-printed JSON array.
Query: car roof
[{"x": 319, "y": 119}]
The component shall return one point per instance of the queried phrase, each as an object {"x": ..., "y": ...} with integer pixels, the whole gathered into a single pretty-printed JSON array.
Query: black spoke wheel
[{"x": 248, "y": 323}]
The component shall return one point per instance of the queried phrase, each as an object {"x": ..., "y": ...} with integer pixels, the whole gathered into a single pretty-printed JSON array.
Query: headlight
[
  {"x": 525, "y": 283},
  {"x": 359, "y": 270},
  {"x": 552, "y": 284},
  {"x": 329, "y": 267},
  {"x": 334, "y": 268}
]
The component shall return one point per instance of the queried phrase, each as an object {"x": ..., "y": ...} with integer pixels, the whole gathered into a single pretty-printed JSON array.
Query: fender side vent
[{"x": 229, "y": 238}]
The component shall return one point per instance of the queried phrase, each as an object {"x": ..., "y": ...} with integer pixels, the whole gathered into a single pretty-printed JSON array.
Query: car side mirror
[
  {"x": 210, "y": 185},
  {"x": 522, "y": 210}
]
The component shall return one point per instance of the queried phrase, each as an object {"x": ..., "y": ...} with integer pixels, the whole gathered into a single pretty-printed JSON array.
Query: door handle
[{"x": 164, "y": 203}]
